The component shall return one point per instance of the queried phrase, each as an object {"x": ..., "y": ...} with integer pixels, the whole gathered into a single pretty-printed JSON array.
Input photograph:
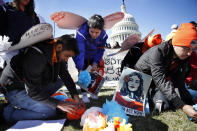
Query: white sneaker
[
  {"x": 95, "y": 97},
  {"x": 85, "y": 98}
]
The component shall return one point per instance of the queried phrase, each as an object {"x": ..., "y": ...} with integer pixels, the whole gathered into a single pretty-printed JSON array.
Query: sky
[{"x": 148, "y": 14}]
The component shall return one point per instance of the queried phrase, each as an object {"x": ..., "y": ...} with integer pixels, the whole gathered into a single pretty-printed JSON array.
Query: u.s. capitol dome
[{"x": 124, "y": 28}]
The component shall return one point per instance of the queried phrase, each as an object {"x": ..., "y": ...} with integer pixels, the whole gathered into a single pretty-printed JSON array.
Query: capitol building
[{"x": 124, "y": 28}]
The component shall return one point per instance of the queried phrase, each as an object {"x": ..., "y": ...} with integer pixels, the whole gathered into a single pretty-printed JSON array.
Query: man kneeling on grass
[
  {"x": 168, "y": 64},
  {"x": 34, "y": 75}
]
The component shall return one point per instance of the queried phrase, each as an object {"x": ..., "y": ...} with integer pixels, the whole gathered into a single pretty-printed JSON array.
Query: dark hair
[
  {"x": 29, "y": 8},
  {"x": 68, "y": 43},
  {"x": 194, "y": 23},
  {"x": 137, "y": 94},
  {"x": 96, "y": 21}
]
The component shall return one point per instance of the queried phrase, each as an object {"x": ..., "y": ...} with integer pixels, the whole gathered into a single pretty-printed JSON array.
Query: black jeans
[{"x": 193, "y": 84}]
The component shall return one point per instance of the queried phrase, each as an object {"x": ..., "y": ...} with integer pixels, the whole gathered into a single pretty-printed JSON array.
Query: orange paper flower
[{"x": 78, "y": 112}]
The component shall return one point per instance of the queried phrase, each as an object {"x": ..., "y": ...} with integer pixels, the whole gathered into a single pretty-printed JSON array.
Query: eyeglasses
[{"x": 194, "y": 45}]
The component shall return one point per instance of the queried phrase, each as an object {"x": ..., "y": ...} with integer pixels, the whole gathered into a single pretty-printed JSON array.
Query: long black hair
[
  {"x": 29, "y": 8},
  {"x": 137, "y": 94}
]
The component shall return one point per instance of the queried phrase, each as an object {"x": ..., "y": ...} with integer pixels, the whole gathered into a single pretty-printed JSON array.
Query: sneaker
[
  {"x": 158, "y": 106},
  {"x": 95, "y": 97},
  {"x": 85, "y": 98}
]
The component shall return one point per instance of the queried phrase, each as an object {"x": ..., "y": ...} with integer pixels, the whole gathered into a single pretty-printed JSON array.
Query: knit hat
[{"x": 185, "y": 34}]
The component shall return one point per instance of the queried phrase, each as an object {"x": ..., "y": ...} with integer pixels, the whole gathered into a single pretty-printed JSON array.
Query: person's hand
[
  {"x": 67, "y": 106},
  {"x": 189, "y": 110},
  {"x": 79, "y": 71},
  {"x": 126, "y": 78},
  {"x": 78, "y": 101},
  {"x": 94, "y": 67}
]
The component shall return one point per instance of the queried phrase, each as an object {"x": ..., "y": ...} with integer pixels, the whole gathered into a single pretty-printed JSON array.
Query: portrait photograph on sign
[{"x": 132, "y": 91}]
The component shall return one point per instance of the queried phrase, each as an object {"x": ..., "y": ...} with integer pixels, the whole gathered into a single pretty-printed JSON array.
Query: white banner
[{"x": 113, "y": 64}]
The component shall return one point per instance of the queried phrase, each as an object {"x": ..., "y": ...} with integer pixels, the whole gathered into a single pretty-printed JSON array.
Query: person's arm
[
  {"x": 166, "y": 86},
  {"x": 67, "y": 79},
  {"x": 33, "y": 77},
  {"x": 131, "y": 57},
  {"x": 189, "y": 110},
  {"x": 100, "y": 50},
  {"x": 3, "y": 21},
  {"x": 79, "y": 60},
  {"x": 160, "y": 79},
  {"x": 69, "y": 83},
  {"x": 125, "y": 61}
]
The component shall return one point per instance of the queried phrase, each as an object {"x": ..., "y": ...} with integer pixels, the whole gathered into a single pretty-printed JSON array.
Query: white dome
[{"x": 124, "y": 28}]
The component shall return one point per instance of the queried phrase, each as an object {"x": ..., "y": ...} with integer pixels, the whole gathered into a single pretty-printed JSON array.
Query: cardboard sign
[
  {"x": 113, "y": 64},
  {"x": 132, "y": 91},
  {"x": 34, "y": 35},
  {"x": 97, "y": 82}
]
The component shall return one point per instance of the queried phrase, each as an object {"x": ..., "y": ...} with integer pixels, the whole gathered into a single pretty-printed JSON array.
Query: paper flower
[
  {"x": 60, "y": 96},
  {"x": 195, "y": 107},
  {"x": 87, "y": 112},
  {"x": 84, "y": 79},
  {"x": 117, "y": 126},
  {"x": 112, "y": 109},
  {"x": 125, "y": 127},
  {"x": 110, "y": 127},
  {"x": 95, "y": 121},
  {"x": 78, "y": 111},
  {"x": 4, "y": 44}
]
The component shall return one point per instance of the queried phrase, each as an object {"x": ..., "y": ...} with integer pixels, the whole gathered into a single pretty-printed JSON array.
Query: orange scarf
[
  {"x": 151, "y": 41},
  {"x": 145, "y": 47},
  {"x": 54, "y": 56}
]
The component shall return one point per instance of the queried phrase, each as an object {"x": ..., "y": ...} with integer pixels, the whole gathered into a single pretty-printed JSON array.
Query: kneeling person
[
  {"x": 91, "y": 38},
  {"x": 34, "y": 75},
  {"x": 168, "y": 64}
]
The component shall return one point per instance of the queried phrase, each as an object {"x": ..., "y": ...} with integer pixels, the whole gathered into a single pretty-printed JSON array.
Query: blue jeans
[
  {"x": 193, "y": 93},
  {"x": 22, "y": 107}
]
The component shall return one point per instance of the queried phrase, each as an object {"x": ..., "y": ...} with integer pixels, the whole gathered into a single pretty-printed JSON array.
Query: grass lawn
[
  {"x": 172, "y": 121},
  {"x": 167, "y": 121}
]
